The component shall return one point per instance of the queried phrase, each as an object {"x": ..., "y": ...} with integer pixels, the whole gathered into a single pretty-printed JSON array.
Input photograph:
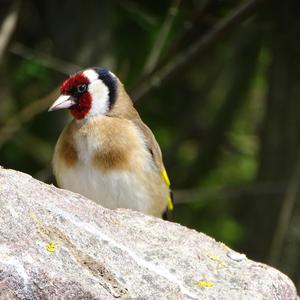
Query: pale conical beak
[{"x": 63, "y": 101}]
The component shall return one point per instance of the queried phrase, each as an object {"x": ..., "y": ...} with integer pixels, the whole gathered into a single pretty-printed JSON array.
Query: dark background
[{"x": 217, "y": 81}]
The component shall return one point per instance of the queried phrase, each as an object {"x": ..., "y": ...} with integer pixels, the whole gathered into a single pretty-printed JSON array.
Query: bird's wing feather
[{"x": 157, "y": 157}]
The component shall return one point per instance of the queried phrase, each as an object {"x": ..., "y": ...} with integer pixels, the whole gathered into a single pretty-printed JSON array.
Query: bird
[{"x": 107, "y": 153}]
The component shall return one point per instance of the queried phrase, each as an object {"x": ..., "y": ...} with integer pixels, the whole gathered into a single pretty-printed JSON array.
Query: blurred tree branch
[
  {"x": 26, "y": 140},
  {"x": 8, "y": 26},
  {"x": 229, "y": 193},
  {"x": 285, "y": 214},
  {"x": 157, "y": 76},
  {"x": 161, "y": 38},
  {"x": 199, "y": 23},
  {"x": 25, "y": 115},
  {"x": 45, "y": 60},
  {"x": 246, "y": 55},
  {"x": 15, "y": 123}
]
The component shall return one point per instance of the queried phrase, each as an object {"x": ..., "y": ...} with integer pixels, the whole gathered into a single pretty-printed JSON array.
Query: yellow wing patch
[
  {"x": 168, "y": 183},
  {"x": 170, "y": 203},
  {"x": 165, "y": 177}
]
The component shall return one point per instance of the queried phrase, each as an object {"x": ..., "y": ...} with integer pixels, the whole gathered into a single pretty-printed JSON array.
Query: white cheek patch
[
  {"x": 100, "y": 98},
  {"x": 90, "y": 74}
]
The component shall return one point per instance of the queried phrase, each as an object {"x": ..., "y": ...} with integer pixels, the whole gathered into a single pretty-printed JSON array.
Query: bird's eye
[{"x": 81, "y": 88}]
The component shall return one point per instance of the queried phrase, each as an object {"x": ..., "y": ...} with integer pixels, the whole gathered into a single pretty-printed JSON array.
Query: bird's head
[{"x": 88, "y": 93}]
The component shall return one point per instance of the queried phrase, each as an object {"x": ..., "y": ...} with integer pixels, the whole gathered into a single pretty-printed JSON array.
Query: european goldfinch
[{"x": 106, "y": 152}]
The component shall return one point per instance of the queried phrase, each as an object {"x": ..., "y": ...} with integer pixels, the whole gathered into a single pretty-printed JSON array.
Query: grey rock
[{"x": 55, "y": 244}]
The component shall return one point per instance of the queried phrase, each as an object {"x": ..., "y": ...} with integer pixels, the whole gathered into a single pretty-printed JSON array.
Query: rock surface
[{"x": 55, "y": 244}]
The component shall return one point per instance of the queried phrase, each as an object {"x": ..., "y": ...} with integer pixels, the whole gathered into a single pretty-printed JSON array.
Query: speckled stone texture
[{"x": 55, "y": 244}]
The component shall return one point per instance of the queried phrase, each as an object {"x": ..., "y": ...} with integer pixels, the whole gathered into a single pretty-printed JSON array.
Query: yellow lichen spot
[
  {"x": 224, "y": 246},
  {"x": 205, "y": 283},
  {"x": 165, "y": 177},
  {"x": 222, "y": 265},
  {"x": 51, "y": 247},
  {"x": 116, "y": 222},
  {"x": 216, "y": 258},
  {"x": 213, "y": 257}
]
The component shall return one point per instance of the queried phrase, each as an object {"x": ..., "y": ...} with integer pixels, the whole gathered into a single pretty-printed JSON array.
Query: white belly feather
[{"x": 112, "y": 190}]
